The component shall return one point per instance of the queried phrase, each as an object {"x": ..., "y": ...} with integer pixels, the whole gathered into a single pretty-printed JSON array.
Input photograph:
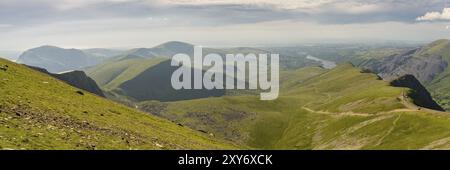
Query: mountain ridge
[
  {"x": 56, "y": 59},
  {"x": 419, "y": 94},
  {"x": 76, "y": 79},
  {"x": 429, "y": 64},
  {"x": 341, "y": 108}
]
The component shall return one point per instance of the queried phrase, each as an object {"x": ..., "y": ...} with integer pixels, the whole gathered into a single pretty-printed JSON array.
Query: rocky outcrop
[
  {"x": 425, "y": 69},
  {"x": 421, "y": 97},
  {"x": 429, "y": 64}
]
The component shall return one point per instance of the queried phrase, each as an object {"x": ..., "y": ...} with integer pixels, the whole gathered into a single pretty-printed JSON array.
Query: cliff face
[
  {"x": 425, "y": 69},
  {"x": 421, "y": 97},
  {"x": 429, "y": 64},
  {"x": 76, "y": 79}
]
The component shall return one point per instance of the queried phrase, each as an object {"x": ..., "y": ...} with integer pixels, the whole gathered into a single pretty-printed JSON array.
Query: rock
[
  {"x": 419, "y": 94},
  {"x": 425, "y": 69},
  {"x": 159, "y": 145},
  {"x": 80, "y": 92}
]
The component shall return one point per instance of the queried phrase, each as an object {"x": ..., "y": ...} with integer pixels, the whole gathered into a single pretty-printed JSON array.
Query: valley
[
  {"x": 311, "y": 114},
  {"x": 350, "y": 98}
]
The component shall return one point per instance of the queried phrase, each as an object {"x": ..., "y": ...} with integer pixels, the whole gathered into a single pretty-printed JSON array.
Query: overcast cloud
[{"x": 130, "y": 23}]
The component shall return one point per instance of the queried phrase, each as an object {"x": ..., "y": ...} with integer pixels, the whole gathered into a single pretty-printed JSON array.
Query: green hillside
[
  {"x": 318, "y": 109},
  {"x": 130, "y": 77},
  {"x": 440, "y": 86},
  {"x": 40, "y": 112},
  {"x": 428, "y": 63},
  {"x": 112, "y": 73}
]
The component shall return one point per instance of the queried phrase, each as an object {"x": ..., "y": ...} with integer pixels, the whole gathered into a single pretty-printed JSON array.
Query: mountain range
[
  {"x": 342, "y": 108},
  {"x": 373, "y": 99},
  {"x": 55, "y": 59},
  {"x": 131, "y": 75},
  {"x": 429, "y": 64}
]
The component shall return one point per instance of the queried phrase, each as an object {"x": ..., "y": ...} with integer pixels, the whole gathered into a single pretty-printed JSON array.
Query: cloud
[
  {"x": 137, "y": 22},
  {"x": 319, "y": 11},
  {"x": 285, "y": 4},
  {"x": 215, "y": 12},
  {"x": 436, "y": 16},
  {"x": 5, "y": 25}
]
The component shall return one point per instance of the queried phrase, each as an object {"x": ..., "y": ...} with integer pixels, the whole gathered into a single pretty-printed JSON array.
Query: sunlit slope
[
  {"x": 429, "y": 64},
  {"x": 440, "y": 86},
  {"x": 112, "y": 73},
  {"x": 40, "y": 112},
  {"x": 318, "y": 109},
  {"x": 346, "y": 88}
]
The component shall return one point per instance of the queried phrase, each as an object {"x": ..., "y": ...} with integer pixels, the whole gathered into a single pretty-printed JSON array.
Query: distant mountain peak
[
  {"x": 165, "y": 50},
  {"x": 56, "y": 59},
  {"x": 48, "y": 46},
  {"x": 440, "y": 41},
  {"x": 174, "y": 44},
  {"x": 438, "y": 48}
]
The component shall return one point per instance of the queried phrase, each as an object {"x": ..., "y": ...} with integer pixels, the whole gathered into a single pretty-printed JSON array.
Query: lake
[{"x": 325, "y": 63}]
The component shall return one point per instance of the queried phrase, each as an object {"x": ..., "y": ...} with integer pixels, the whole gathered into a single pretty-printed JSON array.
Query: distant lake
[{"x": 325, "y": 63}]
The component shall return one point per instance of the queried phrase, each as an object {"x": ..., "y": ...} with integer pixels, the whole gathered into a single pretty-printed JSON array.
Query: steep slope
[
  {"x": 114, "y": 72},
  {"x": 80, "y": 80},
  {"x": 55, "y": 59},
  {"x": 41, "y": 112},
  {"x": 76, "y": 79},
  {"x": 343, "y": 108},
  {"x": 155, "y": 84},
  {"x": 424, "y": 68},
  {"x": 440, "y": 86},
  {"x": 429, "y": 64},
  {"x": 419, "y": 94},
  {"x": 131, "y": 76}
]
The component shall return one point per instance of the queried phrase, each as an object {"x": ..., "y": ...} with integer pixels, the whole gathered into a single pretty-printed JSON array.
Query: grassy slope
[
  {"x": 338, "y": 109},
  {"x": 440, "y": 86},
  {"x": 40, "y": 112},
  {"x": 113, "y": 73}
]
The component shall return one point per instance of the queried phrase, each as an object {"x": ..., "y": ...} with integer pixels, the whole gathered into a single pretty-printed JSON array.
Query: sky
[{"x": 26, "y": 24}]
